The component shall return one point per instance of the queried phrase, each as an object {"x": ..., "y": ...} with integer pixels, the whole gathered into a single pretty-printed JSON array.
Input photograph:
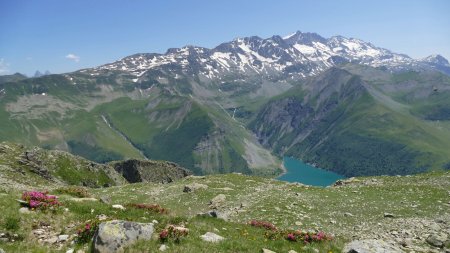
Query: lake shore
[{"x": 295, "y": 170}]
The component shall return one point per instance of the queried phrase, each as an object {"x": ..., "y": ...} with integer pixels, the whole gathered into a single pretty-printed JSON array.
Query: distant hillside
[
  {"x": 341, "y": 103},
  {"x": 12, "y": 78},
  {"x": 363, "y": 123}
]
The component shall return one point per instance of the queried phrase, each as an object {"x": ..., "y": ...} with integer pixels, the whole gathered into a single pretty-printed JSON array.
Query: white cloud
[
  {"x": 4, "y": 67},
  {"x": 73, "y": 57}
]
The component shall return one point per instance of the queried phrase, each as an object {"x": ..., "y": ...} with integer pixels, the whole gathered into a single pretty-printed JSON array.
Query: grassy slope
[
  {"x": 371, "y": 135},
  {"x": 377, "y": 140},
  {"x": 78, "y": 125},
  {"x": 412, "y": 198}
]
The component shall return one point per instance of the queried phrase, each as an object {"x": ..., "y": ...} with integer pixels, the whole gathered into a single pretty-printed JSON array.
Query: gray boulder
[
  {"x": 370, "y": 246},
  {"x": 211, "y": 237},
  {"x": 113, "y": 236}
]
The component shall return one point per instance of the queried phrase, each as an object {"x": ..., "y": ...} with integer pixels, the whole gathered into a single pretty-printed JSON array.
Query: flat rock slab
[
  {"x": 24, "y": 210},
  {"x": 114, "y": 235},
  {"x": 83, "y": 199},
  {"x": 211, "y": 237},
  {"x": 371, "y": 246}
]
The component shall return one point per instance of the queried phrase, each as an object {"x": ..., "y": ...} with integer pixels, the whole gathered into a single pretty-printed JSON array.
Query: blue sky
[{"x": 63, "y": 36}]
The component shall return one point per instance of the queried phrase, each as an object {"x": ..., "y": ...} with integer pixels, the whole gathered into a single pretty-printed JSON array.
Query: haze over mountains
[{"x": 342, "y": 104}]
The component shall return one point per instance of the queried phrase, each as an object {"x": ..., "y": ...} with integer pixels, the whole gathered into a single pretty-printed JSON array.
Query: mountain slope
[
  {"x": 109, "y": 118},
  {"x": 342, "y": 122}
]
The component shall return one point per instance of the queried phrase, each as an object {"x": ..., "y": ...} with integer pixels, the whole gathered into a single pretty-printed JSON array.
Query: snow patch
[{"x": 304, "y": 49}]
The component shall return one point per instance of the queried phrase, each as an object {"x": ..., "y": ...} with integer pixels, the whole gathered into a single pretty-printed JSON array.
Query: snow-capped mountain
[{"x": 298, "y": 55}]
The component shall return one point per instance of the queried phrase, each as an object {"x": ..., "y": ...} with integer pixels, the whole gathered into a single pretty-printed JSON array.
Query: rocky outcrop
[
  {"x": 150, "y": 171},
  {"x": 54, "y": 167},
  {"x": 113, "y": 236}
]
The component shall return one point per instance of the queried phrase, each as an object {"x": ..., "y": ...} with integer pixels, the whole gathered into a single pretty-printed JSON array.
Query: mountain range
[{"x": 338, "y": 103}]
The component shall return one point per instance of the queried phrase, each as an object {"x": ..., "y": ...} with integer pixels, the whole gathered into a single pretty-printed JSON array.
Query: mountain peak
[
  {"x": 436, "y": 59},
  {"x": 304, "y": 38}
]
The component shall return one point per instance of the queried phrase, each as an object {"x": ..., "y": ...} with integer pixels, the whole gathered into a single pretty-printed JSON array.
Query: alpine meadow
[{"x": 298, "y": 143}]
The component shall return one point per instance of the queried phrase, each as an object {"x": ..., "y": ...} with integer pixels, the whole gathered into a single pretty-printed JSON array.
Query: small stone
[
  {"x": 118, "y": 207},
  {"x": 292, "y": 251},
  {"x": 38, "y": 231},
  {"x": 102, "y": 217},
  {"x": 298, "y": 223},
  {"x": 194, "y": 187},
  {"x": 63, "y": 238},
  {"x": 155, "y": 222},
  {"x": 267, "y": 251},
  {"x": 388, "y": 215},
  {"x": 348, "y": 215},
  {"x": 69, "y": 251},
  {"x": 163, "y": 247},
  {"x": 211, "y": 237},
  {"x": 24, "y": 210},
  {"x": 52, "y": 240},
  {"x": 105, "y": 199},
  {"x": 406, "y": 242}
]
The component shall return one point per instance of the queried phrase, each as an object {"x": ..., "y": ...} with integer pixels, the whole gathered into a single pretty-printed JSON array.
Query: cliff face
[{"x": 150, "y": 171}]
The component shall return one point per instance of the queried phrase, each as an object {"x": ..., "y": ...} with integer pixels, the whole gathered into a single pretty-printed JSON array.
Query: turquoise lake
[{"x": 298, "y": 171}]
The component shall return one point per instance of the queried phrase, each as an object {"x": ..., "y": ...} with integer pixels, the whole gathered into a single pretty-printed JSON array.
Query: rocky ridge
[{"x": 297, "y": 55}]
